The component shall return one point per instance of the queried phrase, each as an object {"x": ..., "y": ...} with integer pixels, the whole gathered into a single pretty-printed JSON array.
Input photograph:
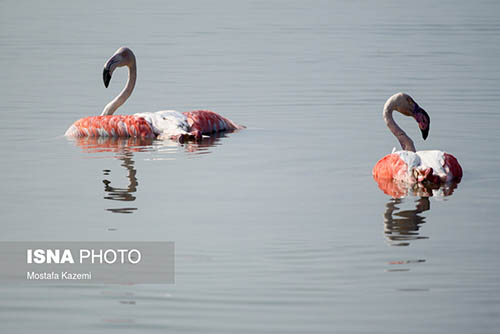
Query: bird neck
[
  {"x": 404, "y": 140},
  {"x": 124, "y": 94}
]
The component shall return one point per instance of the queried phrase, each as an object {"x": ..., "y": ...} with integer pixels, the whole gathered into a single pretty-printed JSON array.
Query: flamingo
[
  {"x": 165, "y": 124},
  {"x": 408, "y": 167}
]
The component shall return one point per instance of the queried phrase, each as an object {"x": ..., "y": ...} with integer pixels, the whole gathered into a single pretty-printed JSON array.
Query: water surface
[{"x": 277, "y": 228}]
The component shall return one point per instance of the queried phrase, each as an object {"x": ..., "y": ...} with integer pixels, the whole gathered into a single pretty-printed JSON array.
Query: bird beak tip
[
  {"x": 425, "y": 133},
  {"x": 106, "y": 77}
]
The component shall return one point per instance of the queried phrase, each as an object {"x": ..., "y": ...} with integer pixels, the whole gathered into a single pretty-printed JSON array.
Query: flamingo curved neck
[
  {"x": 404, "y": 140},
  {"x": 124, "y": 94}
]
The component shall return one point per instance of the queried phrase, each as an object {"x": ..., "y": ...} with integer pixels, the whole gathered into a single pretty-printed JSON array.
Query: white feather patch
[
  {"x": 423, "y": 160},
  {"x": 166, "y": 123}
]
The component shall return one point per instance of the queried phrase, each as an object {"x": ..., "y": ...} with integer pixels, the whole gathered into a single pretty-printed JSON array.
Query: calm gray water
[{"x": 278, "y": 228}]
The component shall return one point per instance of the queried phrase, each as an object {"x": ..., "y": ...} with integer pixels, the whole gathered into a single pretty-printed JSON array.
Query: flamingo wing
[
  {"x": 452, "y": 166},
  {"x": 207, "y": 122},
  {"x": 390, "y": 167},
  {"x": 111, "y": 126}
]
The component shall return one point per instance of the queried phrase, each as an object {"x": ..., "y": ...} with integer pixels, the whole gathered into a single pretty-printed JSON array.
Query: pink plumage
[
  {"x": 412, "y": 167},
  {"x": 390, "y": 167},
  {"x": 207, "y": 122},
  {"x": 169, "y": 124},
  {"x": 451, "y": 164},
  {"x": 401, "y": 173},
  {"x": 111, "y": 126}
]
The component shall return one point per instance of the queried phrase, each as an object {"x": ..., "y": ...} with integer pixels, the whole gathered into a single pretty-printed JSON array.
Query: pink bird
[
  {"x": 165, "y": 124},
  {"x": 408, "y": 167}
]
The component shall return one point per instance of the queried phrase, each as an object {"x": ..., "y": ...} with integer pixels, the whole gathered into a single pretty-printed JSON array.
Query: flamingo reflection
[
  {"x": 405, "y": 226},
  {"x": 398, "y": 189},
  {"x": 124, "y": 150},
  {"x": 402, "y": 226},
  {"x": 122, "y": 194}
]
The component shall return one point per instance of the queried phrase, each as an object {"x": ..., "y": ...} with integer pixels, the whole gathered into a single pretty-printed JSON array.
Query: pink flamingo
[
  {"x": 409, "y": 167},
  {"x": 163, "y": 124}
]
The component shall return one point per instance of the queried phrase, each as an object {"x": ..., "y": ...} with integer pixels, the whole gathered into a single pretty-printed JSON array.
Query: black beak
[
  {"x": 106, "y": 77},
  {"x": 425, "y": 133},
  {"x": 424, "y": 121}
]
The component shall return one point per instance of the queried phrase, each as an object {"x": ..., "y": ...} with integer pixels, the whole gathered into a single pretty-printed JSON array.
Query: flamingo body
[
  {"x": 411, "y": 167},
  {"x": 162, "y": 124}
]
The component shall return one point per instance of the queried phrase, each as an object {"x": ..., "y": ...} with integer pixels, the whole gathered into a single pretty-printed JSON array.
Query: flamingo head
[
  {"x": 122, "y": 57},
  {"x": 423, "y": 119},
  {"x": 406, "y": 105}
]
